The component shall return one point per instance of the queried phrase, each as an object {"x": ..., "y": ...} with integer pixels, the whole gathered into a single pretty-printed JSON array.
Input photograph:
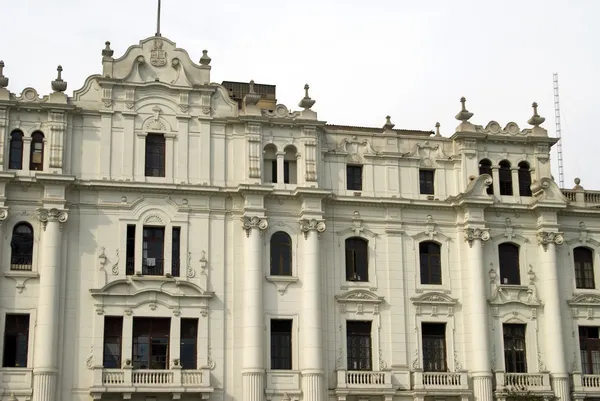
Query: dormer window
[{"x": 155, "y": 155}]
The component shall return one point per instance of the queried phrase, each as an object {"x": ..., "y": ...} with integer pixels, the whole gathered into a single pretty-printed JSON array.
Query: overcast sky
[{"x": 363, "y": 59}]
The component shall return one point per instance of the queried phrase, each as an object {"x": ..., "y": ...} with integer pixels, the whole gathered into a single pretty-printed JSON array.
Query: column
[
  {"x": 140, "y": 156},
  {"x": 479, "y": 345},
  {"x": 514, "y": 173},
  {"x": 552, "y": 313},
  {"x": 253, "y": 369},
  {"x": 46, "y": 337},
  {"x": 280, "y": 169},
  {"x": 496, "y": 180},
  {"x": 311, "y": 340},
  {"x": 26, "y": 152},
  {"x": 170, "y": 158}
]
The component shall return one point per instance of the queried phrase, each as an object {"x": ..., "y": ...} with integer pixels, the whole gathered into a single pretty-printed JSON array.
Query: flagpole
[{"x": 158, "y": 20}]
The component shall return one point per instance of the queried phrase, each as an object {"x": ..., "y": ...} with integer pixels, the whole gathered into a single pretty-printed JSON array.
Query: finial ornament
[
  {"x": 3, "y": 79},
  {"x": 577, "y": 186},
  {"x": 464, "y": 115},
  {"x": 205, "y": 60},
  {"x": 388, "y": 123},
  {"x": 536, "y": 120},
  {"x": 306, "y": 102},
  {"x": 107, "y": 51},
  {"x": 252, "y": 98},
  {"x": 437, "y": 129},
  {"x": 58, "y": 85}
]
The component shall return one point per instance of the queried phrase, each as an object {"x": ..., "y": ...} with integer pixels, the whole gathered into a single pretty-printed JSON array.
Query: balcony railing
[
  {"x": 586, "y": 383},
  {"x": 581, "y": 197},
  {"x": 21, "y": 262},
  {"x": 440, "y": 380},
  {"x": 175, "y": 380},
  {"x": 357, "y": 379},
  {"x": 523, "y": 381}
]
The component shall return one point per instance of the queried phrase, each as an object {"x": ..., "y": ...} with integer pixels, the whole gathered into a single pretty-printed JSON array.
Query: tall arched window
[
  {"x": 524, "y": 179},
  {"x": 505, "y": 178},
  {"x": 430, "y": 262},
  {"x": 36, "y": 154},
  {"x": 357, "y": 259},
  {"x": 21, "y": 245},
  {"x": 485, "y": 167},
  {"x": 509, "y": 264},
  {"x": 281, "y": 254},
  {"x": 584, "y": 267},
  {"x": 15, "y": 157}
]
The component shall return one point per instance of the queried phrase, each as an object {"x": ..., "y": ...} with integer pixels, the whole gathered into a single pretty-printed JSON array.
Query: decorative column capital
[
  {"x": 472, "y": 234},
  {"x": 3, "y": 214},
  {"x": 249, "y": 223},
  {"x": 307, "y": 225},
  {"x": 545, "y": 237},
  {"x": 52, "y": 215}
]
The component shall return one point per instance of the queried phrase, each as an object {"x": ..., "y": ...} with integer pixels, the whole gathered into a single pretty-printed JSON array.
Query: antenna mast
[{"x": 561, "y": 175}]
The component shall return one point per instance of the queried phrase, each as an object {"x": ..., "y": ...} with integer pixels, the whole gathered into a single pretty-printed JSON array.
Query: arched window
[
  {"x": 431, "y": 266},
  {"x": 524, "y": 179},
  {"x": 357, "y": 262},
  {"x": 584, "y": 267},
  {"x": 289, "y": 165},
  {"x": 509, "y": 264},
  {"x": 21, "y": 245},
  {"x": 485, "y": 167},
  {"x": 281, "y": 254},
  {"x": 505, "y": 178},
  {"x": 36, "y": 155},
  {"x": 15, "y": 157}
]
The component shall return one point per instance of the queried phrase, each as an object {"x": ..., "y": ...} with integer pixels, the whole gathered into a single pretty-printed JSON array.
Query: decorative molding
[
  {"x": 545, "y": 238},
  {"x": 190, "y": 272},
  {"x": 249, "y": 223},
  {"x": 472, "y": 234},
  {"x": 431, "y": 233},
  {"x": 360, "y": 301},
  {"x": 312, "y": 224},
  {"x": 89, "y": 362},
  {"x": 115, "y": 267},
  {"x": 52, "y": 216},
  {"x": 281, "y": 282},
  {"x": 584, "y": 237}
]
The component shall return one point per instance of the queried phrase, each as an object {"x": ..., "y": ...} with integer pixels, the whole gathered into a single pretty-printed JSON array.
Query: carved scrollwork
[
  {"x": 472, "y": 234},
  {"x": 115, "y": 268},
  {"x": 249, "y": 223},
  {"x": 53, "y": 215},
  {"x": 3, "y": 214},
  {"x": 312, "y": 224},
  {"x": 545, "y": 238}
]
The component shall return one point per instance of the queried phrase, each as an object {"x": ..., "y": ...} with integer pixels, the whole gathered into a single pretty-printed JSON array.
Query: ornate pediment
[
  {"x": 359, "y": 301},
  {"x": 355, "y": 149},
  {"x": 434, "y": 298},
  {"x": 546, "y": 191},
  {"x": 584, "y": 300},
  {"x": 514, "y": 294},
  {"x": 427, "y": 153}
]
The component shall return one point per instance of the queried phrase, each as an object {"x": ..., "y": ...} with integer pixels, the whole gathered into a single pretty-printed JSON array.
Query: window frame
[
  {"x": 510, "y": 343},
  {"x": 117, "y": 323},
  {"x": 355, "y": 345},
  {"x": 279, "y": 341},
  {"x": 26, "y": 257},
  {"x": 21, "y": 330},
  {"x": 155, "y": 155},
  {"x": 426, "y": 184},
  {"x": 37, "y": 138},
  {"x": 156, "y": 252},
  {"x": 193, "y": 343},
  {"x": 581, "y": 267},
  {"x": 150, "y": 335},
  {"x": 524, "y": 174},
  {"x": 277, "y": 248},
  {"x": 427, "y": 271},
  {"x": 354, "y": 272},
  {"x": 511, "y": 273},
  {"x": 354, "y": 177},
  {"x": 485, "y": 167},
  {"x": 430, "y": 344},
  {"x": 13, "y": 141},
  {"x": 505, "y": 181}
]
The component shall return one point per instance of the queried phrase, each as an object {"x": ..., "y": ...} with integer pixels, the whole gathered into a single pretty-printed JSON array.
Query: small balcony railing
[
  {"x": 358, "y": 379},
  {"x": 586, "y": 382},
  {"x": 160, "y": 380},
  {"x": 21, "y": 262},
  {"x": 153, "y": 266},
  {"x": 523, "y": 381},
  {"x": 440, "y": 380}
]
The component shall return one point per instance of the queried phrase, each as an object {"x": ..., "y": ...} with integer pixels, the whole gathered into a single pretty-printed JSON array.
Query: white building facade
[{"x": 165, "y": 237}]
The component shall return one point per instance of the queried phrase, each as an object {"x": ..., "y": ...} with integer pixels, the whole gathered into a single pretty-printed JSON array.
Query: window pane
[
  {"x": 430, "y": 263},
  {"x": 434, "y": 347},
  {"x": 151, "y": 343},
  {"x": 358, "y": 338},
  {"x": 153, "y": 251},
  {"x": 113, "y": 334},
  {"x": 509, "y": 264},
  {"x": 426, "y": 185},
  {"x": 155, "y": 155},
  {"x": 515, "y": 359},
  {"x": 281, "y": 344},
  {"x": 584, "y": 268},
  {"x": 176, "y": 252},
  {"x": 354, "y": 178},
  {"x": 189, "y": 336},
  {"x": 16, "y": 341},
  {"x": 357, "y": 265},
  {"x": 505, "y": 178},
  {"x": 281, "y": 254}
]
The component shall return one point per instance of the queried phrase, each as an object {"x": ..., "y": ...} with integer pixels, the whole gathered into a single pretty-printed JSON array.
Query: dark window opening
[
  {"x": 431, "y": 266},
  {"x": 176, "y": 252},
  {"x": 358, "y": 338},
  {"x": 515, "y": 356},
  {"x": 21, "y": 247},
  {"x": 15, "y": 157},
  {"x": 357, "y": 262},
  {"x": 189, "y": 343},
  {"x": 113, "y": 341},
  {"x": 354, "y": 178},
  {"x": 426, "y": 185},
  {"x": 281, "y": 254},
  {"x": 281, "y": 344},
  {"x": 274, "y": 171},
  {"x": 584, "y": 268},
  {"x": 16, "y": 341},
  {"x": 155, "y": 155},
  {"x": 509, "y": 264},
  {"x": 153, "y": 259},
  {"x": 36, "y": 154},
  {"x": 434, "y": 347},
  {"x": 524, "y": 179},
  {"x": 130, "y": 250},
  {"x": 505, "y": 178},
  {"x": 589, "y": 348},
  {"x": 151, "y": 342},
  {"x": 286, "y": 172},
  {"x": 485, "y": 167}
]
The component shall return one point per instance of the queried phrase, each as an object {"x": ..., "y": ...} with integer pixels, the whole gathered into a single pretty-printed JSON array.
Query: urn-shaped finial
[
  {"x": 306, "y": 102},
  {"x": 205, "y": 60},
  {"x": 464, "y": 115},
  {"x": 107, "y": 51},
  {"x": 252, "y": 98},
  {"x": 58, "y": 85},
  {"x": 3, "y": 79},
  {"x": 437, "y": 129},
  {"x": 388, "y": 123},
  {"x": 536, "y": 120}
]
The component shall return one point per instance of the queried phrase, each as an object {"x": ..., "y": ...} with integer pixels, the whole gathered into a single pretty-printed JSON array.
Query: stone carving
[
  {"x": 190, "y": 270},
  {"x": 312, "y": 224},
  {"x": 158, "y": 56},
  {"x": 382, "y": 362},
  {"x": 155, "y": 124},
  {"x": 102, "y": 256},
  {"x": 3, "y": 214},
  {"x": 545, "y": 238},
  {"x": 210, "y": 362},
  {"x": 52, "y": 215},
  {"x": 89, "y": 362},
  {"x": 249, "y": 223},
  {"x": 472, "y": 234},
  {"x": 3, "y": 79},
  {"x": 115, "y": 268},
  {"x": 58, "y": 85}
]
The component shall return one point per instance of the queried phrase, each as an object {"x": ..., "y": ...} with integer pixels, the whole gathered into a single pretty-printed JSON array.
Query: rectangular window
[
  {"x": 153, "y": 251},
  {"x": 357, "y": 260},
  {"x": 274, "y": 171},
  {"x": 113, "y": 339},
  {"x": 358, "y": 338},
  {"x": 16, "y": 341},
  {"x": 426, "y": 182},
  {"x": 354, "y": 178},
  {"x": 155, "y": 155},
  {"x": 176, "y": 252},
  {"x": 189, "y": 343},
  {"x": 130, "y": 250},
  {"x": 589, "y": 348},
  {"x": 515, "y": 356},
  {"x": 151, "y": 342},
  {"x": 281, "y": 344},
  {"x": 434, "y": 347},
  {"x": 286, "y": 172}
]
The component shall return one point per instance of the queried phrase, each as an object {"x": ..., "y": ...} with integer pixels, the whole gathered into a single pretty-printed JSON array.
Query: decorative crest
[
  {"x": 388, "y": 123},
  {"x": 58, "y": 85},
  {"x": 158, "y": 56},
  {"x": 205, "y": 60},
  {"x": 3, "y": 79},
  {"x": 107, "y": 51},
  {"x": 464, "y": 115},
  {"x": 306, "y": 102},
  {"x": 536, "y": 120}
]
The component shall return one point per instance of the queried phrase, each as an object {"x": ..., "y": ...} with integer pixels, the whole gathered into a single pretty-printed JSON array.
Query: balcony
[
  {"x": 580, "y": 197},
  {"x": 150, "y": 381},
  {"x": 21, "y": 262},
  {"x": 586, "y": 384},
  {"x": 363, "y": 382},
  {"x": 523, "y": 381}
]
